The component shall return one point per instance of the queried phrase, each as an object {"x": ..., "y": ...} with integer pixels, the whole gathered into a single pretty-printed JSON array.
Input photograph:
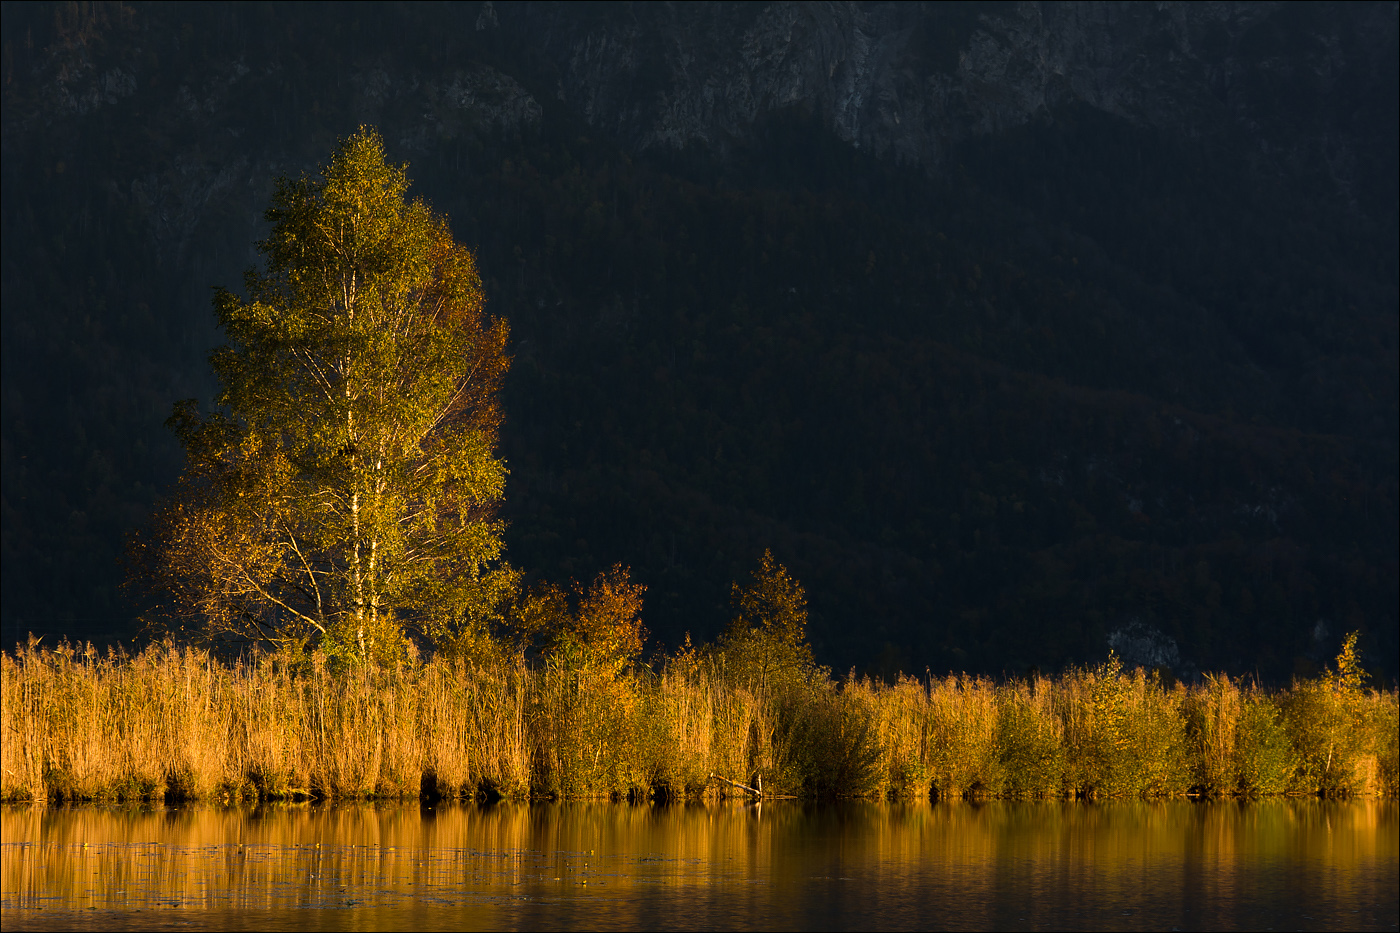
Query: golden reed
[{"x": 179, "y": 722}]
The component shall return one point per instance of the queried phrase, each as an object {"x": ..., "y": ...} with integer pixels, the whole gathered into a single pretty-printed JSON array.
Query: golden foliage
[
  {"x": 177, "y": 721},
  {"x": 342, "y": 492}
]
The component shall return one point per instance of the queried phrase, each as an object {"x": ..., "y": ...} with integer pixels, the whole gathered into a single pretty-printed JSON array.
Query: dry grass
[{"x": 177, "y": 721}]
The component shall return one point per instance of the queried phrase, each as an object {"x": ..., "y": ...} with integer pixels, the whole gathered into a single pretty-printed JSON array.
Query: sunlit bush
[
  {"x": 1030, "y": 740},
  {"x": 1124, "y": 734},
  {"x": 962, "y": 729},
  {"x": 1265, "y": 756}
]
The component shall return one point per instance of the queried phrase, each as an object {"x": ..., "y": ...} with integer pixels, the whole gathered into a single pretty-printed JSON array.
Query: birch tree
[{"x": 344, "y": 488}]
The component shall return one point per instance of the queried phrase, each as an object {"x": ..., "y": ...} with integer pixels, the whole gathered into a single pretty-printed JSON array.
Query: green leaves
[
  {"x": 344, "y": 490},
  {"x": 766, "y": 647}
]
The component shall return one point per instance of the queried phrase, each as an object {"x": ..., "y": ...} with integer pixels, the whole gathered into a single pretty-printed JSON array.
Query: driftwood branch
[{"x": 756, "y": 793}]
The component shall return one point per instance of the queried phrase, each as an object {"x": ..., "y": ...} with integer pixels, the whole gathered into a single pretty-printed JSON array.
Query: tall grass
[{"x": 177, "y": 721}]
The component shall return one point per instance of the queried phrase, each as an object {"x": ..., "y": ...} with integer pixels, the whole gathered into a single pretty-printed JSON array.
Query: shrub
[{"x": 1030, "y": 740}]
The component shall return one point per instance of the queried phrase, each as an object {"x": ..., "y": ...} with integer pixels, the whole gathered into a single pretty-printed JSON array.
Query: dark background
[{"x": 1016, "y": 332}]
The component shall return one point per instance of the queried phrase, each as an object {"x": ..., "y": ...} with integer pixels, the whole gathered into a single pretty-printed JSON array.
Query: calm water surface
[{"x": 1131, "y": 865}]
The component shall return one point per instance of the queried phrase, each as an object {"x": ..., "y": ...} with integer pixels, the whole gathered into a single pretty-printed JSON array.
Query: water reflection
[{"x": 1309, "y": 864}]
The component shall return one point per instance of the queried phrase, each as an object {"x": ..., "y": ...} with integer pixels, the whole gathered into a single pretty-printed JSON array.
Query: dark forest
[{"x": 1011, "y": 367}]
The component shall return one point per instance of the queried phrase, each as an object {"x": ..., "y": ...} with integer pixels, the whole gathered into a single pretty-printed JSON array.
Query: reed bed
[{"x": 178, "y": 722}]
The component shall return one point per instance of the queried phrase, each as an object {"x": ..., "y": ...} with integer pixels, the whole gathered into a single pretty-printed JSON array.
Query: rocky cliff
[{"x": 1306, "y": 87}]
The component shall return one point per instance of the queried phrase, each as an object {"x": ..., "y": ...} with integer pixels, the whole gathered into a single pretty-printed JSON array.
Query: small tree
[
  {"x": 1350, "y": 676},
  {"x": 766, "y": 644},
  {"x": 1326, "y": 719},
  {"x": 598, "y": 628},
  {"x": 345, "y": 485}
]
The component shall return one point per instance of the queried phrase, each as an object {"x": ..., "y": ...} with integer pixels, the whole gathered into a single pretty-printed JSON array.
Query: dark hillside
[{"x": 1006, "y": 365}]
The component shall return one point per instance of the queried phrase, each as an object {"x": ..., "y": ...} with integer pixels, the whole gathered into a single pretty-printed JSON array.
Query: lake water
[{"x": 1280, "y": 864}]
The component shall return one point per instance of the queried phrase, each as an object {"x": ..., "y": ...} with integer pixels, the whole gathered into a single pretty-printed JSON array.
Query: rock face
[
  {"x": 1304, "y": 88},
  {"x": 908, "y": 80}
]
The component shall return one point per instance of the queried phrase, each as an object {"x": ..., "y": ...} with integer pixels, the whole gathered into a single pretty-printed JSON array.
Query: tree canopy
[
  {"x": 765, "y": 646},
  {"x": 344, "y": 488}
]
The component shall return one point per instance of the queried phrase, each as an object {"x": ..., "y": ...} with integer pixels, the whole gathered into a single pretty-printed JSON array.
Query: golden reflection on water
[{"x": 1321, "y": 864}]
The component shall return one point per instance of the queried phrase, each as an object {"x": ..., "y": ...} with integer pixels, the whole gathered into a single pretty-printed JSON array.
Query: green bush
[
  {"x": 834, "y": 750},
  {"x": 1265, "y": 757},
  {"x": 1030, "y": 741}
]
